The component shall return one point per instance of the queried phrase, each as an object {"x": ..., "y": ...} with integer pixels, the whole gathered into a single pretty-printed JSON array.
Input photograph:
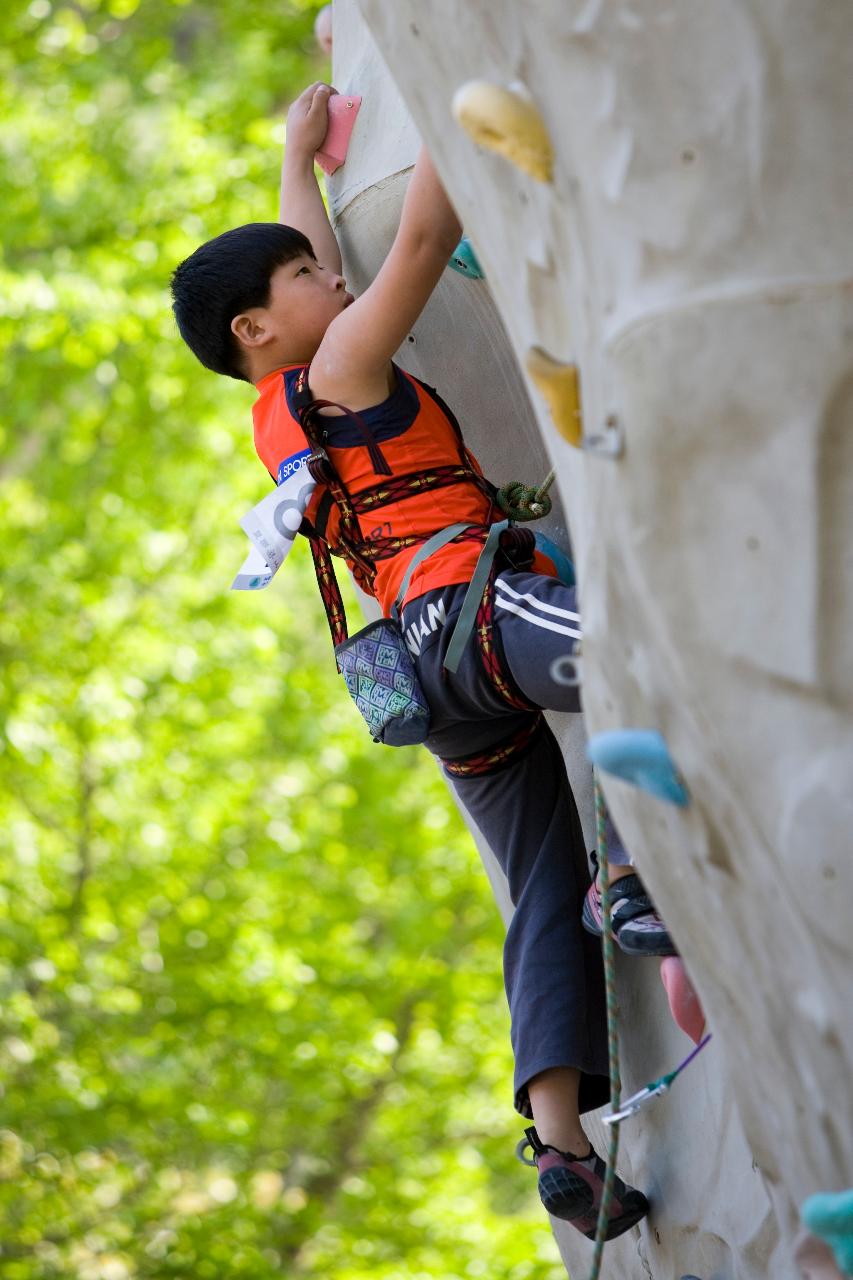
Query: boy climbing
[{"x": 266, "y": 303}]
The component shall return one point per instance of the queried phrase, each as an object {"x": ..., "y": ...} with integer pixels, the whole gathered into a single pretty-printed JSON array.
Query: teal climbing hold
[
  {"x": 464, "y": 260},
  {"x": 829, "y": 1215},
  {"x": 559, "y": 559},
  {"x": 639, "y": 756}
]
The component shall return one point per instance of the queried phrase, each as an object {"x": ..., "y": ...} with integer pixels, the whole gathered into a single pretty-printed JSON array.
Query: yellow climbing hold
[
  {"x": 506, "y": 122},
  {"x": 560, "y": 387}
]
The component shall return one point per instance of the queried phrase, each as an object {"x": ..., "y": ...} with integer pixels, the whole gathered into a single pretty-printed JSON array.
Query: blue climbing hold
[
  {"x": 559, "y": 559},
  {"x": 829, "y": 1215},
  {"x": 642, "y": 757},
  {"x": 464, "y": 260}
]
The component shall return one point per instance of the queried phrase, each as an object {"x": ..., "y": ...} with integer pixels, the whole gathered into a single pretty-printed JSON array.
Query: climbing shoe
[
  {"x": 637, "y": 927},
  {"x": 571, "y": 1189}
]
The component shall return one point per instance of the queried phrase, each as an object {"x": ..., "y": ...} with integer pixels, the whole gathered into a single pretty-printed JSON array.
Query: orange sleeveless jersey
[{"x": 414, "y": 434}]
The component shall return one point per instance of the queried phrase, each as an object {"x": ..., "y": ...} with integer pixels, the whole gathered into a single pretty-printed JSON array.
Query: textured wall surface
[{"x": 693, "y": 256}]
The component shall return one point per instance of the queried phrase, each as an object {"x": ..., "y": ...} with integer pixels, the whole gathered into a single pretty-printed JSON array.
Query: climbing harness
[
  {"x": 490, "y": 761},
  {"x": 515, "y": 545},
  {"x": 612, "y": 1028},
  {"x": 360, "y": 553},
  {"x": 655, "y": 1089}
]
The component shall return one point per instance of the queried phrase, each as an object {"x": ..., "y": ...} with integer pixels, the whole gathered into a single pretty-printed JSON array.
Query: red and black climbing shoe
[
  {"x": 637, "y": 927},
  {"x": 571, "y": 1189}
]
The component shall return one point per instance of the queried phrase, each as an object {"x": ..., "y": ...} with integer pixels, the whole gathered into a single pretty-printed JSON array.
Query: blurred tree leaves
[{"x": 252, "y": 1021}]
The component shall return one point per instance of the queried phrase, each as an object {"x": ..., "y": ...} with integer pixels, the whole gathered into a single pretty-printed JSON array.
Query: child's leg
[
  {"x": 527, "y": 814},
  {"x": 538, "y": 625},
  {"x": 553, "y": 1098},
  {"x": 525, "y": 809},
  {"x": 552, "y": 968},
  {"x": 618, "y": 858}
]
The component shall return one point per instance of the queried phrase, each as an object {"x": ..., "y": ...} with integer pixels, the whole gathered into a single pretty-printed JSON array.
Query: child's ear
[{"x": 249, "y": 329}]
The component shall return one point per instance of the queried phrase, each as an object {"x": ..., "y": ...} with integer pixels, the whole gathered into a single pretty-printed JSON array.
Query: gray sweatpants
[{"x": 527, "y": 815}]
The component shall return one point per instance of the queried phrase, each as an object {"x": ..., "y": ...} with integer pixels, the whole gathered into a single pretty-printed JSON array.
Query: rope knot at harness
[{"x": 526, "y": 502}]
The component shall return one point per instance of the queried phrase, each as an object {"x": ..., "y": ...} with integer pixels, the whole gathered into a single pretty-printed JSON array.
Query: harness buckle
[{"x": 319, "y": 466}]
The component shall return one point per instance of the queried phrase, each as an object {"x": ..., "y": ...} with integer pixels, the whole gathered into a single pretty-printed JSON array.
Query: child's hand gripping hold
[{"x": 308, "y": 119}]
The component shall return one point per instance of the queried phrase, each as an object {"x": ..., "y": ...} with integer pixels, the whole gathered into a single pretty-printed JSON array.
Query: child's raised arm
[
  {"x": 301, "y": 202},
  {"x": 352, "y": 364}
]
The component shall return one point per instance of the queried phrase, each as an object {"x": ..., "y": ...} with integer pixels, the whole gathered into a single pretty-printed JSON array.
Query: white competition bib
[{"x": 272, "y": 525}]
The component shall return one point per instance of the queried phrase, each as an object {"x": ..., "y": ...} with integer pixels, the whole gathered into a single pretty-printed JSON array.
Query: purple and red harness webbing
[{"x": 361, "y": 554}]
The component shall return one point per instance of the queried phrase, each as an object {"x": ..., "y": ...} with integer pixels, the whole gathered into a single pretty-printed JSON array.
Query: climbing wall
[{"x": 686, "y": 248}]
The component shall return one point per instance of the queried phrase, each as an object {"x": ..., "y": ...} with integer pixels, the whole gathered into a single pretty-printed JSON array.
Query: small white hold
[{"x": 812, "y": 1005}]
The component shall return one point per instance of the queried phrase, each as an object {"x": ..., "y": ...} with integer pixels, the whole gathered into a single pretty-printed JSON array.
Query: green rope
[
  {"x": 612, "y": 1030},
  {"x": 521, "y": 502}
]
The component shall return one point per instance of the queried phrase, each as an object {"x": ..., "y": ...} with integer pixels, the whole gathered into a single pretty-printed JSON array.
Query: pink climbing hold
[
  {"x": 343, "y": 109},
  {"x": 683, "y": 1001},
  {"x": 815, "y": 1258}
]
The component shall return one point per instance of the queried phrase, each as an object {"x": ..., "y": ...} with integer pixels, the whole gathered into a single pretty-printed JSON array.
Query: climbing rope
[
  {"x": 523, "y": 502},
  {"x": 612, "y": 1029}
]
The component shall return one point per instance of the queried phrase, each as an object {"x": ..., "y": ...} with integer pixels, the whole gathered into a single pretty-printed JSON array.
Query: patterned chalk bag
[
  {"x": 379, "y": 671},
  {"x": 380, "y": 675}
]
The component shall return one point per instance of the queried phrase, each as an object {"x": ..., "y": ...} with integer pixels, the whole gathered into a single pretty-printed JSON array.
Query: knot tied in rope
[{"x": 526, "y": 502}]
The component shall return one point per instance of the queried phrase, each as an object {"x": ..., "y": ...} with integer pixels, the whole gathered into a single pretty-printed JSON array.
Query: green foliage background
[{"x": 252, "y": 1019}]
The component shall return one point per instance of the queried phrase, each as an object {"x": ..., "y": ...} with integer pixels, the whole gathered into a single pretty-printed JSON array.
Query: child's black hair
[{"x": 223, "y": 277}]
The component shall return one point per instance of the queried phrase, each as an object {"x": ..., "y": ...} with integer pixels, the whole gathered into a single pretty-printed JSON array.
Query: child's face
[{"x": 304, "y": 300}]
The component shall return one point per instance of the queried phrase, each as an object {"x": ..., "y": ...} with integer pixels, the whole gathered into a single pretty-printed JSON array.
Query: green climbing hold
[
  {"x": 464, "y": 260},
  {"x": 829, "y": 1215}
]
